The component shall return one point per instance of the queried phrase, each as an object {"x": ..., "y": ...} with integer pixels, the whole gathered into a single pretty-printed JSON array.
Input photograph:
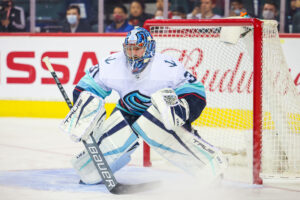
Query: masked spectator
[
  {"x": 269, "y": 11},
  {"x": 74, "y": 24},
  {"x": 137, "y": 15},
  {"x": 159, "y": 14},
  {"x": 236, "y": 8},
  {"x": 12, "y": 17},
  {"x": 87, "y": 11},
  {"x": 120, "y": 22}
]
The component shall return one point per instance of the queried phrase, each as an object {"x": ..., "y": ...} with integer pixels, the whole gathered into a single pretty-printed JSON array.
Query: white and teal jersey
[{"x": 163, "y": 71}]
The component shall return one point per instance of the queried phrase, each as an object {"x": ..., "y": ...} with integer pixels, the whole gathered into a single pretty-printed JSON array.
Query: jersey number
[
  {"x": 94, "y": 70},
  {"x": 189, "y": 77}
]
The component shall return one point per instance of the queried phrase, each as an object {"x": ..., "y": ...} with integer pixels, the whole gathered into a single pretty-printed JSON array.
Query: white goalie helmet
[{"x": 139, "y": 48}]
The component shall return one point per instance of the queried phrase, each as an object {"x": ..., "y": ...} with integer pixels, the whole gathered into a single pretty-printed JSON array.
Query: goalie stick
[{"x": 97, "y": 156}]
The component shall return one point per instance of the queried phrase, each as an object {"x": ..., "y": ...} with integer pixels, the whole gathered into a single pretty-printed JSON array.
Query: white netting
[
  {"x": 226, "y": 70},
  {"x": 281, "y": 106}
]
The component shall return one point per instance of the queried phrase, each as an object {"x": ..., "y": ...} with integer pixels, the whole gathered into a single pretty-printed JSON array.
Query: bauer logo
[{"x": 101, "y": 166}]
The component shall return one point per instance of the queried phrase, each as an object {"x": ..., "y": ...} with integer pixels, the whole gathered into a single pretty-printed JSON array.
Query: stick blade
[{"x": 136, "y": 188}]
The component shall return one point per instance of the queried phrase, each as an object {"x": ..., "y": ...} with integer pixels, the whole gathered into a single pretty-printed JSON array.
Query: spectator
[
  {"x": 195, "y": 13},
  {"x": 204, "y": 11},
  {"x": 236, "y": 8},
  {"x": 85, "y": 7},
  {"x": 269, "y": 11},
  {"x": 289, "y": 17},
  {"x": 159, "y": 14},
  {"x": 12, "y": 17},
  {"x": 88, "y": 10},
  {"x": 137, "y": 15},
  {"x": 296, "y": 20},
  {"x": 74, "y": 24},
  {"x": 160, "y": 6},
  {"x": 120, "y": 22},
  {"x": 178, "y": 13}
]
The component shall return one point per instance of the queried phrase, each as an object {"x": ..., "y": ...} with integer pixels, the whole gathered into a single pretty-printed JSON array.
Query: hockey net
[{"x": 253, "y": 106}]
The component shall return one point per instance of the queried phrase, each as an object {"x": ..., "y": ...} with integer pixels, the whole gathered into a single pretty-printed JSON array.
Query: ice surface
[{"x": 35, "y": 164}]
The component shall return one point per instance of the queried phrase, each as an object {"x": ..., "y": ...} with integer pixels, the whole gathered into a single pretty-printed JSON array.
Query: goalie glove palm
[{"x": 174, "y": 111}]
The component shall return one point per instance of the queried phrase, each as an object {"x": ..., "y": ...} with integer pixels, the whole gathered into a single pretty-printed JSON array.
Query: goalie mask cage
[{"x": 253, "y": 111}]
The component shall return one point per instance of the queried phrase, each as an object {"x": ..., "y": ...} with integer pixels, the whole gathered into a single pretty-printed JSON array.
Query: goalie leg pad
[
  {"x": 116, "y": 140},
  {"x": 180, "y": 147}
]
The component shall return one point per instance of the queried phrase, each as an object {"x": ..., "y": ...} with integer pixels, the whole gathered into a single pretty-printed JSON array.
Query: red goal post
[{"x": 254, "y": 46}]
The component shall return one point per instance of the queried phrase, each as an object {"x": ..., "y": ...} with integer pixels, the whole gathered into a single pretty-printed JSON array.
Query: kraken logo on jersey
[{"x": 136, "y": 102}]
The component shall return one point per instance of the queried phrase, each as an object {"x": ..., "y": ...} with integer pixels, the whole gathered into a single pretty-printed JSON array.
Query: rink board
[{"x": 27, "y": 88}]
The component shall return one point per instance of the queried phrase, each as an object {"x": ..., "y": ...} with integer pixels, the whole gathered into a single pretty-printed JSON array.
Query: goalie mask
[{"x": 139, "y": 48}]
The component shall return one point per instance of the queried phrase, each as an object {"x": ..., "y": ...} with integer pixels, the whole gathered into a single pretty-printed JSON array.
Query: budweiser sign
[{"x": 235, "y": 77}]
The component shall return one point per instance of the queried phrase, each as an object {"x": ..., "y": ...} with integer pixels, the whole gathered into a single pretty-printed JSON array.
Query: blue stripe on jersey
[
  {"x": 125, "y": 110},
  {"x": 197, "y": 88},
  {"x": 88, "y": 84}
]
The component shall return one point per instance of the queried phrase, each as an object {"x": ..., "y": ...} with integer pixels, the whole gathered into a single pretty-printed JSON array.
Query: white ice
[{"x": 35, "y": 164}]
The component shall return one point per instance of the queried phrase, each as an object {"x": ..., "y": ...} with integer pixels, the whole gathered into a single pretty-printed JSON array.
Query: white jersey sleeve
[
  {"x": 98, "y": 78},
  {"x": 183, "y": 82},
  {"x": 187, "y": 86}
]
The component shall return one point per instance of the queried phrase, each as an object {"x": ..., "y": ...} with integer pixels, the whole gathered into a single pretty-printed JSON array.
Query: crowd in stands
[
  {"x": 122, "y": 16},
  {"x": 12, "y": 17}
]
